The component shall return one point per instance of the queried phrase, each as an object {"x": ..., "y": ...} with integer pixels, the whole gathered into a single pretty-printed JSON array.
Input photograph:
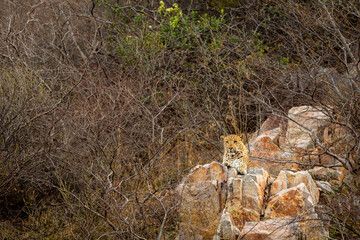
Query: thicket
[{"x": 104, "y": 105}]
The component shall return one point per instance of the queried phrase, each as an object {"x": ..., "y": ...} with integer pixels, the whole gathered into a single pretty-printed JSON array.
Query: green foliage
[
  {"x": 284, "y": 60},
  {"x": 188, "y": 30},
  {"x": 143, "y": 38}
]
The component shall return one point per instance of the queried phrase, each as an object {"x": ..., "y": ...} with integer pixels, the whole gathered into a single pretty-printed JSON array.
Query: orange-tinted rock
[
  {"x": 279, "y": 184},
  {"x": 246, "y": 195},
  {"x": 290, "y": 203},
  {"x": 198, "y": 175},
  {"x": 203, "y": 196},
  {"x": 273, "y": 135},
  {"x": 287, "y": 179},
  {"x": 208, "y": 172},
  {"x": 265, "y": 144},
  {"x": 266, "y": 154},
  {"x": 273, "y": 229}
]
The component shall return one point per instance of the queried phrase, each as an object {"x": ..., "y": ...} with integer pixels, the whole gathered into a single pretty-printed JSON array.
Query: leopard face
[{"x": 232, "y": 144}]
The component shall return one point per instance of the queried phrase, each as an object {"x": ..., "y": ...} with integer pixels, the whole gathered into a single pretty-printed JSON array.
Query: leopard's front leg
[{"x": 240, "y": 166}]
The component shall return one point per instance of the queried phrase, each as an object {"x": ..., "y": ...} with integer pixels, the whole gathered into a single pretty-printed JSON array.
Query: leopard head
[{"x": 232, "y": 143}]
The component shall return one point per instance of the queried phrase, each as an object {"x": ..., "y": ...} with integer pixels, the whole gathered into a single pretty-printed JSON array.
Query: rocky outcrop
[
  {"x": 217, "y": 203},
  {"x": 274, "y": 200}
]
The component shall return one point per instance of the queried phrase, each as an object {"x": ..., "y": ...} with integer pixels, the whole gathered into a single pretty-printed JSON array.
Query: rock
[
  {"x": 226, "y": 230},
  {"x": 216, "y": 203},
  {"x": 312, "y": 227},
  {"x": 280, "y": 183},
  {"x": 276, "y": 146},
  {"x": 313, "y": 156},
  {"x": 285, "y": 228},
  {"x": 254, "y": 184},
  {"x": 246, "y": 195},
  {"x": 273, "y": 135},
  {"x": 290, "y": 203},
  {"x": 235, "y": 192},
  {"x": 287, "y": 179},
  {"x": 232, "y": 173},
  {"x": 266, "y": 154},
  {"x": 325, "y": 187},
  {"x": 203, "y": 194},
  {"x": 271, "y": 123},
  {"x": 253, "y": 193},
  {"x": 301, "y": 118},
  {"x": 263, "y": 146},
  {"x": 326, "y": 174},
  {"x": 203, "y": 199},
  {"x": 271, "y": 180},
  {"x": 260, "y": 175}
]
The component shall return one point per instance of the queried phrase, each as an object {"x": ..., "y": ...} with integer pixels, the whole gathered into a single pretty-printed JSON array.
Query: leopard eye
[
  {"x": 227, "y": 141},
  {"x": 235, "y": 141}
]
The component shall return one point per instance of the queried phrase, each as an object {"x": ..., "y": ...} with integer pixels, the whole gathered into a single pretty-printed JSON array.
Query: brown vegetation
[{"x": 105, "y": 104}]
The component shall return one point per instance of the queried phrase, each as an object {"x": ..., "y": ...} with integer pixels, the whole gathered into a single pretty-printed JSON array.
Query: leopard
[{"x": 236, "y": 154}]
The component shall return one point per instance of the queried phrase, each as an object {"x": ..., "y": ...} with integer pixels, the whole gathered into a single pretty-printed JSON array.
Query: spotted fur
[{"x": 235, "y": 153}]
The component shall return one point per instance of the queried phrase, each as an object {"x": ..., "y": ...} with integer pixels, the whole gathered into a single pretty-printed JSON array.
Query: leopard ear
[
  {"x": 241, "y": 135},
  {"x": 222, "y": 137}
]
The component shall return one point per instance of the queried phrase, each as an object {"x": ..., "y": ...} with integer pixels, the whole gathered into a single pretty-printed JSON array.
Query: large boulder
[
  {"x": 284, "y": 143},
  {"x": 290, "y": 202},
  {"x": 203, "y": 195},
  {"x": 304, "y": 121},
  {"x": 265, "y": 153},
  {"x": 254, "y": 186},
  {"x": 288, "y": 179}
]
